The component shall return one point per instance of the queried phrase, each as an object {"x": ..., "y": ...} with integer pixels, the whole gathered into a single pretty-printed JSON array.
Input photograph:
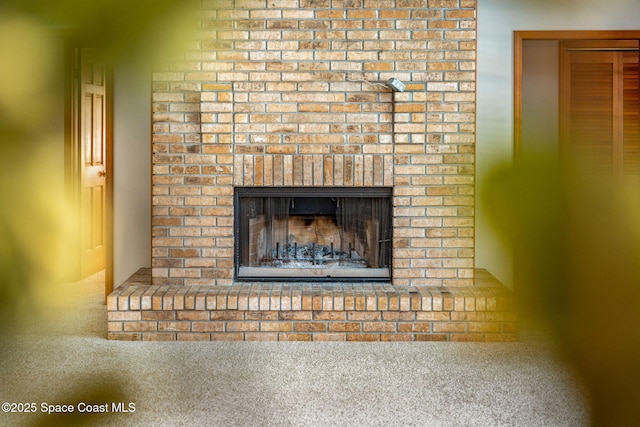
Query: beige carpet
[{"x": 64, "y": 358}]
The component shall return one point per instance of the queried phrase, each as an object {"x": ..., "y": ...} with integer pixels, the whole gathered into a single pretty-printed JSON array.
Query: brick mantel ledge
[{"x": 138, "y": 311}]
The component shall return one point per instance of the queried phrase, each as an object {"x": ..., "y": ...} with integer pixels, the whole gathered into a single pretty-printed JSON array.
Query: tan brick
[
  {"x": 328, "y": 337},
  {"x": 158, "y": 315},
  {"x": 294, "y": 337},
  {"x": 226, "y": 315},
  {"x": 472, "y": 316},
  {"x": 466, "y": 338},
  {"x": 430, "y": 337},
  {"x": 164, "y": 326},
  {"x": 207, "y": 326},
  {"x": 414, "y": 327},
  {"x": 192, "y": 336},
  {"x": 261, "y": 315},
  {"x": 455, "y": 327},
  {"x": 307, "y": 303},
  {"x": 396, "y": 337},
  {"x": 398, "y": 316},
  {"x": 227, "y": 336},
  {"x": 124, "y": 336},
  {"x": 330, "y": 315},
  {"x": 484, "y": 327},
  {"x": 242, "y": 326},
  {"x": 378, "y": 326},
  {"x": 317, "y": 302},
  {"x": 363, "y": 337},
  {"x": 349, "y": 302},
  {"x": 345, "y": 326},
  {"x": 261, "y": 336},
  {"x": 192, "y": 315},
  {"x": 310, "y": 326},
  {"x": 158, "y": 336},
  {"x": 124, "y": 316},
  {"x": 276, "y": 327},
  {"x": 114, "y": 326},
  {"x": 140, "y": 326},
  {"x": 364, "y": 315}
]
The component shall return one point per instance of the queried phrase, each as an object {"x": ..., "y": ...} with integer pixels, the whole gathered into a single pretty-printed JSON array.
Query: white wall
[
  {"x": 132, "y": 170},
  {"x": 497, "y": 20}
]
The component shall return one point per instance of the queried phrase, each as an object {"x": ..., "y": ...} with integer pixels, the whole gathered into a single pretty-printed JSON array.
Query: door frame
[
  {"x": 520, "y": 36},
  {"x": 72, "y": 158}
]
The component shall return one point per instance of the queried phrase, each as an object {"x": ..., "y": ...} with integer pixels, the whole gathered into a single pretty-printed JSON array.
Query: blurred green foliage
[
  {"x": 32, "y": 216},
  {"x": 576, "y": 236},
  {"x": 576, "y": 239},
  {"x": 117, "y": 27},
  {"x": 34, "y": 227}
]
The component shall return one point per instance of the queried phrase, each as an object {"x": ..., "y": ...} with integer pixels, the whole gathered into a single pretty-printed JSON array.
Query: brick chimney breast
[{"x": 294, "y": 94}]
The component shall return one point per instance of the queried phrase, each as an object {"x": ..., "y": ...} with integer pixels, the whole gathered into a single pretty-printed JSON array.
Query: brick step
[{"x": 311, "y": 311}]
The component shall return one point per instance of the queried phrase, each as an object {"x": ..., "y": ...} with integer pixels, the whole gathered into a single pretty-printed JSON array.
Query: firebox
[{"x": 313, "y": 234}]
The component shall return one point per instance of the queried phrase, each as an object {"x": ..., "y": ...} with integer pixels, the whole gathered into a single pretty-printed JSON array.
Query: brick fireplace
[{"x": 292, "y": 94}]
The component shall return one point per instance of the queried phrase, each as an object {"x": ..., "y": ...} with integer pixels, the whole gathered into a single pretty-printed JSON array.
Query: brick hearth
[{"x": 139, "y": 311}]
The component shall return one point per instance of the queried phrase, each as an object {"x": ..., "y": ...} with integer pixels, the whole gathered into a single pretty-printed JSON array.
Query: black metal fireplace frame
[{"x": 310, "y": 192}]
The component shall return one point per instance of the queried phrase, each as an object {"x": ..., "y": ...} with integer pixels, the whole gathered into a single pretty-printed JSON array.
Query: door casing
[
  {"x": 520, "y": 37},
  {"x": 73, "y": 159}
]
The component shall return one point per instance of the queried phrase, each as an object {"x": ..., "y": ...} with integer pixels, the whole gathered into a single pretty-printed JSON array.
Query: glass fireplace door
[{"x": 313, "y": 234}]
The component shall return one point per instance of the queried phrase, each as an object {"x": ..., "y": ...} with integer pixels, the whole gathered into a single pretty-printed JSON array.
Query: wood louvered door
[
  {"x": 599, "y": 106},
  {"x": 631, "y": 116}
]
